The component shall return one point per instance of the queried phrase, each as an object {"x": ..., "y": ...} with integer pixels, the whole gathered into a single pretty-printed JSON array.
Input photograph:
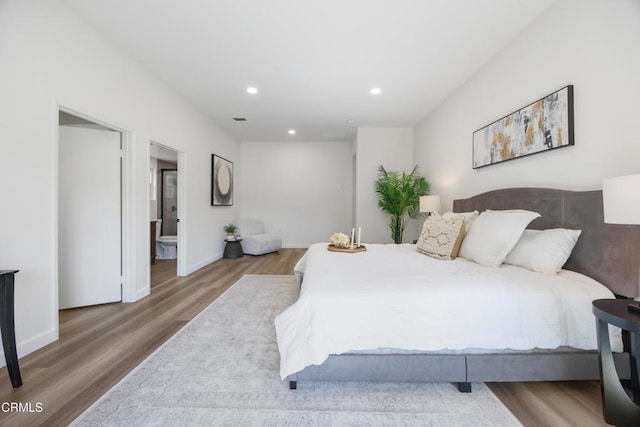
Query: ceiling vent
[{"x": 239, "y": 119}]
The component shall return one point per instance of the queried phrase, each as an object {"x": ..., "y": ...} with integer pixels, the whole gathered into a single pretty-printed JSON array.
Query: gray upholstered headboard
[{"x": 608, "y": 253}]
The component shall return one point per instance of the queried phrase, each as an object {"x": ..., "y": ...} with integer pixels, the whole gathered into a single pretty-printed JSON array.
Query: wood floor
[
  {"x": 163, "y": 270},
  {"x": 99, "y": 345}
]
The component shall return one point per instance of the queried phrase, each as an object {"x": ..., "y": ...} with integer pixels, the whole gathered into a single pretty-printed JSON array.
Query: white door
[{"x": 89, "y": 217}]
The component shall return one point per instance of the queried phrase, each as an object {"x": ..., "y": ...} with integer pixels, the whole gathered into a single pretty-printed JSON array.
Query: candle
[
  {"x": 359, "y": 233},
  {"x": 353, "y": 231}
]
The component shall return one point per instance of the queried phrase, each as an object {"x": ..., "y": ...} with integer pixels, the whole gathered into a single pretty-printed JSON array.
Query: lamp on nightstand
[
  {"x": 430, "y": 204},
  {"x": 621, "y": 198},
  {"x": 621, "y": 201}
]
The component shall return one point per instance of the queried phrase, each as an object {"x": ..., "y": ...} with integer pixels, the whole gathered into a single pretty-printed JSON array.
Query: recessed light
[
  {"x": 375, "y": 91},
  {"x": 292, "y": 132},
  {"x": 252, "y": 90},
  {"x": 351, "y": 121}
]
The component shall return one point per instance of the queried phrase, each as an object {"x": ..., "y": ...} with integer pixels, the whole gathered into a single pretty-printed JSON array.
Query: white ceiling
[{"x": 313, "y": 61}]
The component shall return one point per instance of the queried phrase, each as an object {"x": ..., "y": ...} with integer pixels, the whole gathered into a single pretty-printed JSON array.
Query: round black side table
[
  {"x": 617, "y": 407},
  {"x": 233, "y": 249}
]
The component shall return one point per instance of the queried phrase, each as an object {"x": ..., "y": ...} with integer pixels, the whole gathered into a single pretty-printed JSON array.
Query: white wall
[
  {"x": 393, "y": 149},
  {"x": 300, "y": 190},
  {"x": 49, "y": 58},
  {"x": 592, "y": 44}
]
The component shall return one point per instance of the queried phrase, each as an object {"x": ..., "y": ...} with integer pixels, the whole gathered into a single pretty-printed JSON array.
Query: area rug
[{"x": 222, "y": 369}]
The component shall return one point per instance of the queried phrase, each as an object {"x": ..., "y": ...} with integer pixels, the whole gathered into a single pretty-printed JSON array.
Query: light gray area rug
[{"x": 222, "y": 369}]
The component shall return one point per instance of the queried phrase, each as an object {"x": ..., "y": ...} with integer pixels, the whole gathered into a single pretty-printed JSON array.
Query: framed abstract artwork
[
  {"x": 221, "y": 181},
  {"x": 540, "y": 126}
]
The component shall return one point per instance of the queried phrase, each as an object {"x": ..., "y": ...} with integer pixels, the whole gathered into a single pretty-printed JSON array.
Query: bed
[{"x": 609, "y": 254}]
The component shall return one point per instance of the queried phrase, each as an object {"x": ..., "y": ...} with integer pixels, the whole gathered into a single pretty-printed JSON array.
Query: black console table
[
  {"x": 617, "y": 407},
  {"x": 7, "y": 326}
]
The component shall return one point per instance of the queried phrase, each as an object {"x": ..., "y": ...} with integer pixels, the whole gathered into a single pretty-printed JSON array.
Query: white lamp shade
[
  {"x": 621, "y": 198},
  {"x": 430, "y": 204}
]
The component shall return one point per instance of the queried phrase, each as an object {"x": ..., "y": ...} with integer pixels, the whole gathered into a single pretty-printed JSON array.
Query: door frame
[
  {"x": 127, "y": 219},
  {"x": 182, "y": 206}
]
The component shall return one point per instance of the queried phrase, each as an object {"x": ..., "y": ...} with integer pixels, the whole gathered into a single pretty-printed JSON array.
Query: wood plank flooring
[
  {"x": 99, "y": 345},
  {"x": 163, "y": 270},
  {"x": 553, "y": 404}
]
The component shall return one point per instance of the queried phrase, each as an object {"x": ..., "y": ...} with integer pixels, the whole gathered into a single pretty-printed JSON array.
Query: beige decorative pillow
[{"x": 441, "y": 237}]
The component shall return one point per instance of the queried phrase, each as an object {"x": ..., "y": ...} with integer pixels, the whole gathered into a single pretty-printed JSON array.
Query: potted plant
[
  {"x": 230, "y": 229},
  {"x": 399, "y": 196}
]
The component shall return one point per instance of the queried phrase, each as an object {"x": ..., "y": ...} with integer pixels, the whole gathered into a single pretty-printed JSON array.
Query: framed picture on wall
[
  {"x": 221, "y": 181},
  {"x": 540, "y": 126}
]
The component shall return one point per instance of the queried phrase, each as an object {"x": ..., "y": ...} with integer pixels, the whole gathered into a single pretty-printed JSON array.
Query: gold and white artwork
[{"x": 543, "y": 125}]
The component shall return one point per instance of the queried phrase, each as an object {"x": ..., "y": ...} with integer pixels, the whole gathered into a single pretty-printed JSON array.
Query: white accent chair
[{"x": 255, "y": 241}]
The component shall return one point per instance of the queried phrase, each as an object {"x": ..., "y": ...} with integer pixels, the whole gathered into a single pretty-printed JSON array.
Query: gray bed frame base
[
  {"x": 462, "y": 369},
  {"x": 607, "y": 253}
]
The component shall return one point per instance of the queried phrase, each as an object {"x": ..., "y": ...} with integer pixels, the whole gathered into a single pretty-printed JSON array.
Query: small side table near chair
[
  {"x": 618, "y": 409},
  {"x": 233, "y": 249}
]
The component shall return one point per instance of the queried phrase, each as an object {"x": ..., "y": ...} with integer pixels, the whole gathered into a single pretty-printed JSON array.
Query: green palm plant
[
  {"x": 229, "y": 228},
  {"x": 399, "y": 196}
]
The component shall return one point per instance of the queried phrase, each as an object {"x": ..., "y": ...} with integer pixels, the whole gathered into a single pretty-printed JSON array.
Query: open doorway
[{"x": 163, "y": 213}]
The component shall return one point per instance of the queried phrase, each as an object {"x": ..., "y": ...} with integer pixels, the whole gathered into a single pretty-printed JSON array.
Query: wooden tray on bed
[{"x": 348, "y": 250}]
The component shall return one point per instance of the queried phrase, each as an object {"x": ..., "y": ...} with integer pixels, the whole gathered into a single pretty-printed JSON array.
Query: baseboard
[
  {"x": 203, "y": 263},
  {"x": 25, "y": 347},
  {"x": 139, "y": 294}
]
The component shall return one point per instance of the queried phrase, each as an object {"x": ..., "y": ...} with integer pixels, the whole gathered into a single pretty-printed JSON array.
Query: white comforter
[{"x": 394, "y": 297}]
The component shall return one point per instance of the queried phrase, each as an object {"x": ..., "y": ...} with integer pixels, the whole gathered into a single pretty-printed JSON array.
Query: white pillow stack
[
  {"x": 496, "y": 237},
  {"x": 494, "y": 234}
]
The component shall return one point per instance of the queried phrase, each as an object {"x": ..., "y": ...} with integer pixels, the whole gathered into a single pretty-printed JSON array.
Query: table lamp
[
  {"x": 430, "y": 204},
  {"x": 621, "y": 199}
]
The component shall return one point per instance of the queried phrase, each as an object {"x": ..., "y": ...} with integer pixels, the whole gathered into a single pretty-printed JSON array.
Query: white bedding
[{"x": 394, "y": 297}]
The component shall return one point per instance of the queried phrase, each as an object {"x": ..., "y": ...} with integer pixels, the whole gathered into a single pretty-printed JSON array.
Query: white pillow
[
  {"x": 469, "y": 217},
  {"x": 544, "y": 251},
  {"x": 494, "y": 234}
]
